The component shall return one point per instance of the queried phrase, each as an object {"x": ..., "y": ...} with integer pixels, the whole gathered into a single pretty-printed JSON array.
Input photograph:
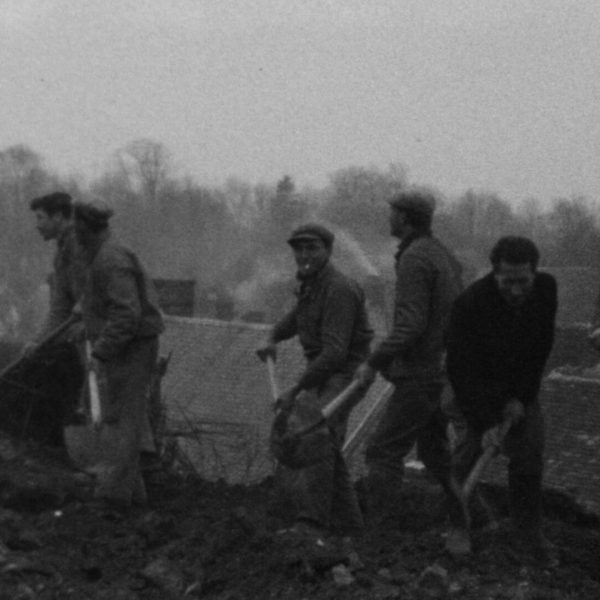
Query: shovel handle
[
  {"x": 95, "y": 407},
  {"x": 339, "y": 400},
  {"x": 331, "y": 408},
  {"x": 272, "y": 378},
  {"x": 484, "y": 459},
  {"x": 356, "y": 437}
]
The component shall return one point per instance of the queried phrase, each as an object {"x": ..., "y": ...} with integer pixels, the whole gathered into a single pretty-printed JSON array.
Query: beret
[
  {"x": 311, "y": 231},
  {"x": 94, "y": 211}
]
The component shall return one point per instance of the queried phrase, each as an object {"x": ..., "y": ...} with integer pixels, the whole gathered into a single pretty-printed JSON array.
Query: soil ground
[{"x": 211, "y": 540}]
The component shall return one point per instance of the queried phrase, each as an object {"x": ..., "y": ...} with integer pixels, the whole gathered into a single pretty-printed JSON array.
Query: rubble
[{"x": 198, "y": 539}]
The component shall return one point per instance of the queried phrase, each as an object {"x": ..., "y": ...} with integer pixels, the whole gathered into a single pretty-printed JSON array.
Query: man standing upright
[
  {"x": 123, "y": 324},
  {"x": 53, "y": 214},
  {"x": 500, "y": 336},
  {"x": 411, "y": 356},
  {"x": 331, "y": 323}
]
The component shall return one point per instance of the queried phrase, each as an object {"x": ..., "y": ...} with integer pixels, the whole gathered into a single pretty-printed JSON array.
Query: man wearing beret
[
  {"x": 53, "y": 214},
  {"x": 411, "y": 356},
  {"x": 123, "y": 324},
  {"x": 331, "y": 323}
]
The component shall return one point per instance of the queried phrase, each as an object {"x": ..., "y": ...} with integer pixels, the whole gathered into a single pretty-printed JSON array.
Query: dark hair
[
  {"x": 94, "y": 226},
  {"x": 418, "y": 205},
  {"x": 515, "y": 250},
  {"x": 57, "y": 202},
  {"x": 419, "y": 220}
]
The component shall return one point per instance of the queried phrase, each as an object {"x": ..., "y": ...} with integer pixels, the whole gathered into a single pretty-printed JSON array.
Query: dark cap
[
  {"x": 53, "y": 203},
  {"x": 414, "y": 200},
  {"x": 95, "y": 212},
  {"x": 312, "y": 231}
]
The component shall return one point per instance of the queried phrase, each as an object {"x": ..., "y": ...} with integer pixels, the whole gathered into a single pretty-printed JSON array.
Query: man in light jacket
[{"x": 411, "y": 356}]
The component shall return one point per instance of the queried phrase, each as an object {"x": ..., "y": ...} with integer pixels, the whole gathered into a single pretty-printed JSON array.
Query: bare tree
[{"x": 145, "y": 165}]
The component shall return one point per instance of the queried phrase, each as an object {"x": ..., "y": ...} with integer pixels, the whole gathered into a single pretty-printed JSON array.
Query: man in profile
[
  {"x": 53, "y": 215},
  {"x": 428, "y": 279},
  {"x": 123, "y": 324}
]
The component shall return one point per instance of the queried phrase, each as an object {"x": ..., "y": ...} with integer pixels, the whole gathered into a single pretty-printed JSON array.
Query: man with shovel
[
  {"x": 331, "y": 323},
  {"x": 53, "y": 214},
  {"x": 123, "y": 323},
  {"x": 411, "y": 356},
  {"x": 500, "y": 335}
]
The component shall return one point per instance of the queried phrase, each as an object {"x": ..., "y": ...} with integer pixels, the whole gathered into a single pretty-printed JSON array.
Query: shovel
[
  {"x": 356, "y": 438},
  {"x": 463, "y": 493},
  {"x": 304, "y": 446},
  {"x": 83, "y": 441}
]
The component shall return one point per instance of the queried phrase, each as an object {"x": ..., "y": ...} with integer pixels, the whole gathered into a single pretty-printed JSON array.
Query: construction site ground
[{"x": 201, "y": 539}]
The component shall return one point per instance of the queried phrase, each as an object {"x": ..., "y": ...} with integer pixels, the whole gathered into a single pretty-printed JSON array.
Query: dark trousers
[
  {"x": 524, "y": 447},
  {"x": 413, "y": 416},
  {"x": 323, "y": 493}
]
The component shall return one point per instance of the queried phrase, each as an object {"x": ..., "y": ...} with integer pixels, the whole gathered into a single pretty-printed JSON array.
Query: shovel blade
[{"x": 84, "y": 446}]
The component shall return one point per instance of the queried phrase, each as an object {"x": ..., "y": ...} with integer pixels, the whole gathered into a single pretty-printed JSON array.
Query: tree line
[{"x": 231, "y": 239}]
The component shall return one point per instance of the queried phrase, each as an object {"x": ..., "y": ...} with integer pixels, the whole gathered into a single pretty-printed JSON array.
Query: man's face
[
  {"x": 49, "y": 226},
  {"x": 515, "y": 282},
  {"x": 398, "y": 225},
  {"x": 311, "y": 256}
]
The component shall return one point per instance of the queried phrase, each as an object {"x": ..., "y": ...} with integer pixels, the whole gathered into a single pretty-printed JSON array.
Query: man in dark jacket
[
  {"x": 500, "y": 335},
  {"x": 331, "y": 323},
  {"x": 411, "y": 356},
  {"x": 123, "y": 323},
  {"x": 53, "y": 214}
]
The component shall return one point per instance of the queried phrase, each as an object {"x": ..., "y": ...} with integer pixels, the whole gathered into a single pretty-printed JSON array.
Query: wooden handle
[
  {"x": 95, "y": 406},
  {"x": 355, "y": 439},
  {"x": 272, "y": 377},
  {"x": 484, "y": 459},
  {"x": 328, "y": 410}
]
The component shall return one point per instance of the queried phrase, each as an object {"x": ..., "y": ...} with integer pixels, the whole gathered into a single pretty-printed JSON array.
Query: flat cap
[
  {"x": 311, "y": 231},
  {"x": 56, "y": 201},
  {"x": 95, "y": 211},
  {"x": 415, "y": 200}
]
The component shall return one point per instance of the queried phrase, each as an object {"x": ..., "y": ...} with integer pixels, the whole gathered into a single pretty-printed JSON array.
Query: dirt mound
[{"x": 212, "y": 540}]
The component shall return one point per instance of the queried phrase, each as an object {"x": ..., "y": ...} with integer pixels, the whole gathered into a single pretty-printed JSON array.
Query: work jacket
[
  {"x": 428, "y": 279},
  {"x": 330, "y": 320},
  {"x": 66, "y": 281},
  {"x": 119, "y": 302}
]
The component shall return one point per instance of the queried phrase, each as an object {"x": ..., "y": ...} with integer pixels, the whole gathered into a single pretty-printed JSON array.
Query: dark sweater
[{"x": 497, "y": 352}]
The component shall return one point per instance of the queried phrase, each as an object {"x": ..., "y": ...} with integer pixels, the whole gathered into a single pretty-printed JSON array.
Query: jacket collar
[{"x": 408, "y": 240}]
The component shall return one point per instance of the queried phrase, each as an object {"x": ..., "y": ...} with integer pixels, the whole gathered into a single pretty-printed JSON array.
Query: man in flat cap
[
  {"x": 123, "y": 323},
  {"x": 53, "y": 215},
  {"x": 331, "y": 323},
  {"x": 427, "y": 282}
]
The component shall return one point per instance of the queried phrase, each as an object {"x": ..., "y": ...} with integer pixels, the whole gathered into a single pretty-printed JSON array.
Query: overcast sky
[{"x": 496, "y": 95}]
